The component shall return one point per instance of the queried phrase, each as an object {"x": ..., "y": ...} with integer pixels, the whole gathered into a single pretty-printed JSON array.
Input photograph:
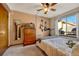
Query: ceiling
[{"x": 31, "y": 8}]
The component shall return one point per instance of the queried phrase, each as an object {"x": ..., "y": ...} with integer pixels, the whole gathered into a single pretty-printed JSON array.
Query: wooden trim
[
  {"x": 6, "y": 7},
  {"x": 16, "y": 44},
  {"x": 4, "y": 51}
]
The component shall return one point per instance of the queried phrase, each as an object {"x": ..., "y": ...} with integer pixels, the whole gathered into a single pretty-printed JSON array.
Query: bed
[{"x": 56, "y": 46}]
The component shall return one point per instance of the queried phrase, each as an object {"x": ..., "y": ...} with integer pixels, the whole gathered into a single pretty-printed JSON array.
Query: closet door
[
  {"x": 3, "y": 29},
  {"x": 29, "y": 36}
]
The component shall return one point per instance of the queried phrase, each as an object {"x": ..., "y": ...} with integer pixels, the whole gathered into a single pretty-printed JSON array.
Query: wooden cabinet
[
  {"x": 29, "y": 36},
  {"x": 3, "y": 29}
]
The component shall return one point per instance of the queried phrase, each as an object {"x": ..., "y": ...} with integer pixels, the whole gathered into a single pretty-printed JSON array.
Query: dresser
[{"x": 29, "y": 35}]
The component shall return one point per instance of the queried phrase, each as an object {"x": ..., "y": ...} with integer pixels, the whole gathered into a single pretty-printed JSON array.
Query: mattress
[{"x": 59, "y": 43}]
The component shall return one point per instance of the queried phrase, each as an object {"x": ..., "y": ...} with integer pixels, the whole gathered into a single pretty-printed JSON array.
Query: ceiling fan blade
[
  {"x": 53, "y": 9},
  {"x": 52, "y": 4},
  {"x": 42, "y": 3},
  {"x": 39, "y": 9}
]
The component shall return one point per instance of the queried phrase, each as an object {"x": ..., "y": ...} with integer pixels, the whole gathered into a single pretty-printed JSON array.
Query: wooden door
[
  {"x": 29, "y": 36},
  {"x": 3, "y": 29}
]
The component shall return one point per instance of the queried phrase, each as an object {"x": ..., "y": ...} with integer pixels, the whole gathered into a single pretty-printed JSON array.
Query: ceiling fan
[{"x": 47, "y": 6}]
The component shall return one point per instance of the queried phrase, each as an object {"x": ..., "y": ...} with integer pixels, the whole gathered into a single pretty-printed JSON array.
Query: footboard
[{"x": 50, "y": 51}]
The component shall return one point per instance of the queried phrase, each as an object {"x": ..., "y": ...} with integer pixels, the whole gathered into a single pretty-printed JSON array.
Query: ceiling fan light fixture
[
  {"x": 45, "y": 9},
  {"x": 47, "y": 6}
]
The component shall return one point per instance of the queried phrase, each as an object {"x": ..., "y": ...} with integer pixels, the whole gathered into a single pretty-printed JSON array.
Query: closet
[{"x": 3, "y": 29}]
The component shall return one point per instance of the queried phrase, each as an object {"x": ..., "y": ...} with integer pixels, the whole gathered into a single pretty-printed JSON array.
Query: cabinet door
[{"x": 3, "y": 29}]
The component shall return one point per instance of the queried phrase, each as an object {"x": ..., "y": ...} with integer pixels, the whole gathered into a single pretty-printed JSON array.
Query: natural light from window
[{"x": 67, "y": 26}]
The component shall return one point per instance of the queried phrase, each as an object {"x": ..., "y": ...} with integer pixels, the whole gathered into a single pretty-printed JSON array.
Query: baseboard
[
  {"x": 16, "y": 44},
  {"x": 3, "y": 50}
]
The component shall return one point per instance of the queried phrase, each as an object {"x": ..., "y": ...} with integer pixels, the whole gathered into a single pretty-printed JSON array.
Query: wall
[
  {"x": 77, "y": 15},
  {"x": 54, "y": 25},
  {"x": 25, "y": 18}
]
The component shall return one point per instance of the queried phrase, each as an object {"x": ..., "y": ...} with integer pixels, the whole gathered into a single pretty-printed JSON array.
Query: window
[{"x": 67, "y": 26}]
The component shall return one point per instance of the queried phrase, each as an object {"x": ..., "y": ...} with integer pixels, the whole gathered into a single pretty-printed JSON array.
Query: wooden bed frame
[
  {"x": 54, "y": 51},
  {"x": 50, "y": 51}
]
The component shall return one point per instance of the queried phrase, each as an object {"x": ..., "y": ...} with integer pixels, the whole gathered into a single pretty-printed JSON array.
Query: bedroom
[{"x": 44, "y": 24}]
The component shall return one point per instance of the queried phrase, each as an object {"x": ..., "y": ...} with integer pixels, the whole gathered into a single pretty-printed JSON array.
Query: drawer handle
[{"x": 2, "y": 32}]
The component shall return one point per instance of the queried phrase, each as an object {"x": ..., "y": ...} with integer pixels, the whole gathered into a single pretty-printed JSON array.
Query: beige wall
[
  {"x": 25, "y": 18},
  {"x": 53, "y": 26},
  {"x": 77, "y": 15}
]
